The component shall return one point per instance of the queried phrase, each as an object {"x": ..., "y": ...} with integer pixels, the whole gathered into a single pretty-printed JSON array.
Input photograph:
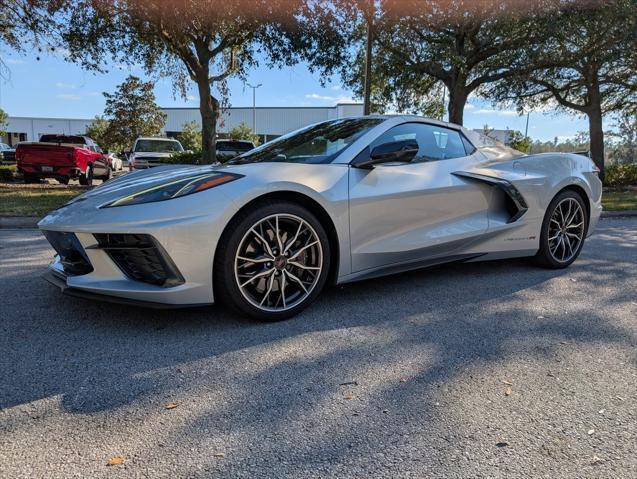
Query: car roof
[
  {"x": 158, "y": 138},
  {"x": 419, "y": 118}
]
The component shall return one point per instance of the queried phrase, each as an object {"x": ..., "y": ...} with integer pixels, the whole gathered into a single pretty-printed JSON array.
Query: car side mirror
[{"x": 402, "y": 150}]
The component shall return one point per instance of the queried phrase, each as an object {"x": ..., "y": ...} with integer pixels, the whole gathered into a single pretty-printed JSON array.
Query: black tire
[
  {"x": 544, "y": 257},
  {"x": 87, "y": 179},
  {"x": 64, "y": 180},
  {"x": 108, "y": 174},
  {"x": 227, "y": 290},
  {"x": 31, "y": 178}
]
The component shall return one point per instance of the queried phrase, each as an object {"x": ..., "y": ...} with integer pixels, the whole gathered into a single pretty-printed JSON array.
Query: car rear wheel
[
  {"x": 272, "y": 262},
  {"x": 86, "y": 179},
  {"x": 31, "y": 178},
  {"x": 63, "y": 180},
  {"x": 563, "y": 231}
]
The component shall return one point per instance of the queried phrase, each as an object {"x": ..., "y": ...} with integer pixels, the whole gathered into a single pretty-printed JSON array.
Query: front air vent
[
  {"x": 72, "y": 255},
  {"x": 141, "y": 258}
]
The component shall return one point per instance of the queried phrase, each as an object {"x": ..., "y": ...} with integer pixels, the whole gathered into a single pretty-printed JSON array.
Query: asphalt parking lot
[{"x": 483, "y": 370}]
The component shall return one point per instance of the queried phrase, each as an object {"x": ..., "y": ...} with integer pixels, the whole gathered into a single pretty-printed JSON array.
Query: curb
[{"x": 19, "y": 221}]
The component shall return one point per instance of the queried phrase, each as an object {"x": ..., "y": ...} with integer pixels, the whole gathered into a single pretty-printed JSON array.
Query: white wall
[
  {"x": 270, "y": 120},
  {"x": 35, "y": 127}
]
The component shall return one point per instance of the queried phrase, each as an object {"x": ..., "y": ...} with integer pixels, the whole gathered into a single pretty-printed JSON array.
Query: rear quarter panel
[{"x": 539, "y": 178}]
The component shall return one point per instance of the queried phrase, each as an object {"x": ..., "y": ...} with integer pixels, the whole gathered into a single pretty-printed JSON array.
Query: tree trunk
[
  {"x": 209, "y": 109},
  {"x": 596, "y": 132},
  {"x": 457, "y": 100},
  {"x": 367, "y": 87},
  {"x": 595, "y": 124}
]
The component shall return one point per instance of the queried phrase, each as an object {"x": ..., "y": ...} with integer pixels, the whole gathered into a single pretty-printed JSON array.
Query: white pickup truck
[{"x": 149, "y": 152}]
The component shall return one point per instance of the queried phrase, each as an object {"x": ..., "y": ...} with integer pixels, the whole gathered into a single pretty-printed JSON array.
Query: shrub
[
  {"x": 184, "y": 158},
  {"x": 620, "y": 175},
  {"x": 7, "y": 172}
]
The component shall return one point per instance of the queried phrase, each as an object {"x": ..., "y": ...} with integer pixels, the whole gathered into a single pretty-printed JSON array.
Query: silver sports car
[{"x": 334, "y": 202}]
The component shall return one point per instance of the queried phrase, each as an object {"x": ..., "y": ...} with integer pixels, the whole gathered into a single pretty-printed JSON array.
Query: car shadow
[{"x": 100, "y": 356}]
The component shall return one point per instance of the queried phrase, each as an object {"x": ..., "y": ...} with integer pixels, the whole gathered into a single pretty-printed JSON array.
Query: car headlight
[{"x": 175, "y": 189}]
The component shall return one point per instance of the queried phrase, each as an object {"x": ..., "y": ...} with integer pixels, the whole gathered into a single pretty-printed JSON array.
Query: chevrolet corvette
[{"x": 335, "y": 202}]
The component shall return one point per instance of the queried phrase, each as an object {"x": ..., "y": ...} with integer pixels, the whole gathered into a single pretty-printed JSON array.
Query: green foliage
[
  {"x": 519, "y": 142},
  {"x": 579, "y": 143},
  {"x": 417, "y": 48},
  {"x": 3, "y": 122},
  {"x": 190, "y": 136},
  {"x": 98, "y": 131},
  {"x": 623, "y": 149},
  {"x": 243, "y": 132},
  {"x": 7, "y": 173},
  {"x": 26, "y": 23},
  {"x": 585, "y": 64},
  {"x": 185, "y": 158},
  {"x": 199, "y": 40},
  {"x": 621, "y": 175},
  {"x": 131, "y": 112}
]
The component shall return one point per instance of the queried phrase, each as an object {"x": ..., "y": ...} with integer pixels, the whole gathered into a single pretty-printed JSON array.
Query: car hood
[
  {"x": 140, "y": 180},
  {"x": 256, "y": 179}
]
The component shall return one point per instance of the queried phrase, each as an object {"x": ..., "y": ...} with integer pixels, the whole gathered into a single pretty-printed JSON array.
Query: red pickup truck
[{"x": 62, "y": 157}]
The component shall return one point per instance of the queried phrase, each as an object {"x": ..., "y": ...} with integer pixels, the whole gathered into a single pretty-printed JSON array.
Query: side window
[
  {"x": 468, "y": 146},
  {"x": 434, "y": 142}
]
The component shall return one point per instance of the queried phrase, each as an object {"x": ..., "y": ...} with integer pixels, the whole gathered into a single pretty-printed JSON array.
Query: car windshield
[
  {"x": 158, "y": 146},
  {"x": 319, "y": 143},
  {"x": 73, "y": 140}
]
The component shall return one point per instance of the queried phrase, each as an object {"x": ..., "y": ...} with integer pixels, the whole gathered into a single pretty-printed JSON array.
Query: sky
[{"x": 54, "y": 88}]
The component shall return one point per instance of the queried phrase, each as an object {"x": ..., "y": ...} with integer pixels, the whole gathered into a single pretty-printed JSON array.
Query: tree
[
  {"x": 420, "y": 45},
  {"x": 131, "y": 112},
  {"x": 623, "y": 150},
  {"x": 3, "y": 122},
  {"x": 595, "y": 56},
  {"x": 243, "y": 132},
  {"x": 98, "y": 131},
  {"x": 190, "y": 136},
  {"x": 519, "y": 142},
  {"x": 197, "y": 40},
  {"x": 26, "y": 22}
]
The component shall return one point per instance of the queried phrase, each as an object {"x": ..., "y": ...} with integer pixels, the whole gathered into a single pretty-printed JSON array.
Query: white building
[{"x": 270, "y": 121}]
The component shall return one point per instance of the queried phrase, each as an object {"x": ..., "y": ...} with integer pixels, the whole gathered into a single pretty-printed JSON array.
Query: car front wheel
[{"x": 272, "y": 262}]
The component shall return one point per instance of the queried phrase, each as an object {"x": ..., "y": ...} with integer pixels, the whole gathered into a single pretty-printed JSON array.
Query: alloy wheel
[
  {"x": 279, "y": 262},
  {"x": 566, "y": 230}
]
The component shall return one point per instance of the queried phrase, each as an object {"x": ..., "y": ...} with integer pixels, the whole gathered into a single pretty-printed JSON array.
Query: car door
[{"x": 417, "y": 211}]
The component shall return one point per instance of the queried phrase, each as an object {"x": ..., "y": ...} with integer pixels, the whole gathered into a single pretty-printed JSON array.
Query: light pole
[{"x": 254, "y": 106}]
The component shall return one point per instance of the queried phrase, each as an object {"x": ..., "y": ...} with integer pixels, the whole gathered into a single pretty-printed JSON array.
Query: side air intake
[{"x": 514, "y": 201}]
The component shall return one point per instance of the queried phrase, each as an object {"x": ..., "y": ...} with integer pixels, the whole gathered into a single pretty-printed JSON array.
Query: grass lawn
[
  {"x": 38, "y": 200},
  {"x": 620, "y": 200},
  {"x": 33, "y": 200}
]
